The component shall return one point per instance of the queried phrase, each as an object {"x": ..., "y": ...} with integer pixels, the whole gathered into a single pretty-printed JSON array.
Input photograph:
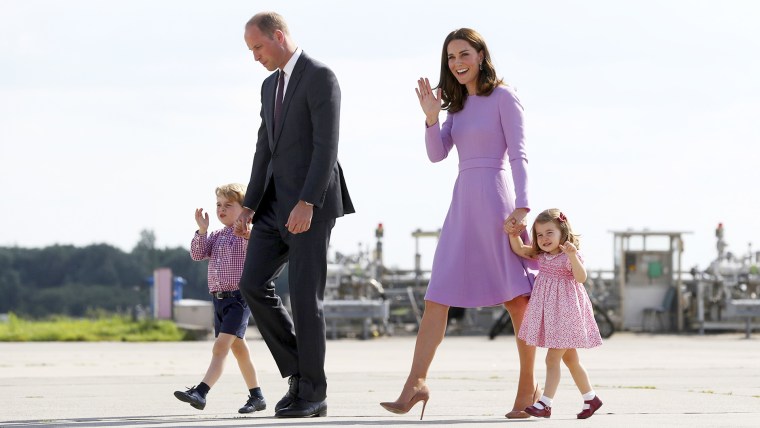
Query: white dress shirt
[{"x": 288, "y": 69}]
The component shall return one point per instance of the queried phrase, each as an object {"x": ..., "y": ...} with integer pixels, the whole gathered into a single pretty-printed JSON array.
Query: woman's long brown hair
[{"x": 453, "y": 93}]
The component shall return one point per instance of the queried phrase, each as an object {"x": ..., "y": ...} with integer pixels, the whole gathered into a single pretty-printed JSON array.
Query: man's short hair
[{"x": 268, "y": 23}]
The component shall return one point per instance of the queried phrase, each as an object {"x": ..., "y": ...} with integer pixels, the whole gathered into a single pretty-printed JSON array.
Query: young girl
[{"x": 559, "y": 314}]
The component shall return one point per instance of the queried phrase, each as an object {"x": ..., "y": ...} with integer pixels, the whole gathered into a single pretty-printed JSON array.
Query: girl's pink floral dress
[{"x": 559, "y": 314}]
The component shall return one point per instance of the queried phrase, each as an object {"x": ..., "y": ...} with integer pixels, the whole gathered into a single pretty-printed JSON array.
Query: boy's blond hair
[{"x": 232, "y": 192}]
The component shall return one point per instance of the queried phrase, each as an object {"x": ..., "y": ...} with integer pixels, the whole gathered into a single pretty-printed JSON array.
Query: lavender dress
[{"x": 474, "y": 264}]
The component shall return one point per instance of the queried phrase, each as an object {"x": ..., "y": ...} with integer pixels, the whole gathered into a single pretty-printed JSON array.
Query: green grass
[{"x": 114, "y": 328}]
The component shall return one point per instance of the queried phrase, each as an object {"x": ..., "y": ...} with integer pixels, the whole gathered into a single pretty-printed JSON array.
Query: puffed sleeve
[{"x": 569, "y": 265}]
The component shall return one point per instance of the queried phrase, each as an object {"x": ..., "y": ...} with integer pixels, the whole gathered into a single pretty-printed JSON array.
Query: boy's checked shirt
[{"x": 226, "y": 255}]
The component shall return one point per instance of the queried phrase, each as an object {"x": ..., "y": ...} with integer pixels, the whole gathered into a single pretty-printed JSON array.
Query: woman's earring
[{"x": 481, "y": 65}]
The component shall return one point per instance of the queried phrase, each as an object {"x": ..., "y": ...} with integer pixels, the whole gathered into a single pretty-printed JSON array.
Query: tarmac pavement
[{"x": 644, "y": 380}]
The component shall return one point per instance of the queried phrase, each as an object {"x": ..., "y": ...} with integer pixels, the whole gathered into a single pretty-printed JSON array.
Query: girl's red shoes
[
  {"x": 546, "y": 412},
  {"x": 594, "y": 405}
]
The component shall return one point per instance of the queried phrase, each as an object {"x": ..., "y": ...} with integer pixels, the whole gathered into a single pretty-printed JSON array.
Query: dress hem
[{"x": 474, "y": 305}]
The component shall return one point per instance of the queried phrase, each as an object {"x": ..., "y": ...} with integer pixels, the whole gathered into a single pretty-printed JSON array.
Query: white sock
[
  {"x": 544, "y": 399},
  {"x": 588, "y": 396}
]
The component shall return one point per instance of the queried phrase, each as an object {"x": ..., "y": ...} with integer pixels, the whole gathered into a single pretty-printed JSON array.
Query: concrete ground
[{"x": 644, "y": 380}]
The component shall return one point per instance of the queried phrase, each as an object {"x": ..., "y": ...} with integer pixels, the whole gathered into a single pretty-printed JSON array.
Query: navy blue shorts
[{"x": 231, "y": 315}]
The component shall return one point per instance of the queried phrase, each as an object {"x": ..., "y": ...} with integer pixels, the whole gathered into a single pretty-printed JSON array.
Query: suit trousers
[{"x": 298, "y": 343}]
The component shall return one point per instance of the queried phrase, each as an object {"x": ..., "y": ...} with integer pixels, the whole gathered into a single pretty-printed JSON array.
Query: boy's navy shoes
[
  {"x": 254, "y": 404},
  {"x": 191, "y": 396}
]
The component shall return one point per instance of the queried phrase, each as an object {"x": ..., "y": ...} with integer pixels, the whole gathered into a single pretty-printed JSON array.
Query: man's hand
[{"x": 299, "y": 220}]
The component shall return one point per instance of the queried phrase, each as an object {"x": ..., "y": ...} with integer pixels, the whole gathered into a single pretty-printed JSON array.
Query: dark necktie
[{"x": 278, "y": 100}]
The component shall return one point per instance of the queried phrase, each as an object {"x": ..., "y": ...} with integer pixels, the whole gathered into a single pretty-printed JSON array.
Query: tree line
[{"x": 74, "y": 281}]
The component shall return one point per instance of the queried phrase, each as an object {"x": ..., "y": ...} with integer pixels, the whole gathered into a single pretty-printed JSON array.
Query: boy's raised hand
[
  {"x": 568, "y": 248},
  {"x": 202, "y": 220}
]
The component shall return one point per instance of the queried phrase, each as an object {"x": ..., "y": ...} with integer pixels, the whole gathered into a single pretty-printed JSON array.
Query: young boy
[{"x": 226, "y": 255}]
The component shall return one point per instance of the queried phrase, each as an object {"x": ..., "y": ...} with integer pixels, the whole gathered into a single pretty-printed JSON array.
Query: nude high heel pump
[
  {"x": 522, "y": 414},
  {"x": 403, "y": 408}
]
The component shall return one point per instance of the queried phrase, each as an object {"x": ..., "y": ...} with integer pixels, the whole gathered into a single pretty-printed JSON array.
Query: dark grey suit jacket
[{"x": 302, "y": 159}]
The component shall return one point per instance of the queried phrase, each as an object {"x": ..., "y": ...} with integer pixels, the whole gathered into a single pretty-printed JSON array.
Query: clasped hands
[
  {"x": 242, "y": 226},
  {"x": 299, "y": 220},
  {"x": 516, "y": 222}
]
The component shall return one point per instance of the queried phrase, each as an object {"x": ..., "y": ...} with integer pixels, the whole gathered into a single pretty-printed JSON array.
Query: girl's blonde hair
[
  {"x": 563, "y": 224},
  {"x": 232, "y": 192}
]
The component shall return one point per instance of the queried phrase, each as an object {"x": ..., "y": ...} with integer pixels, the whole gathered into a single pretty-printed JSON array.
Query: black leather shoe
[
  {"x": 303, "y": 409},
  {"x": 291, "y": 395},
  {"x": 254, "y": 404},
  {"x": 191, "y": 396}
]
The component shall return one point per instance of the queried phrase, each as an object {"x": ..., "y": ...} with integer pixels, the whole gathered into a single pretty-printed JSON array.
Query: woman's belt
[{"x": 482, "y": 163}]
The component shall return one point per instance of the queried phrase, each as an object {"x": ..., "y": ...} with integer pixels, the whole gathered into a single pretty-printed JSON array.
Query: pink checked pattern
[{"x": 226, "y": 256}]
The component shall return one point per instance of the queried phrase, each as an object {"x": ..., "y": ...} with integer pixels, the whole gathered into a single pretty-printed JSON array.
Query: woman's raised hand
[{"x": 429, "y": 101}]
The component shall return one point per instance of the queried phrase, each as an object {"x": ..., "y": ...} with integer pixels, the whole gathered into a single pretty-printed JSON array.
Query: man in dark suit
[{"x": 295, "y": 193}]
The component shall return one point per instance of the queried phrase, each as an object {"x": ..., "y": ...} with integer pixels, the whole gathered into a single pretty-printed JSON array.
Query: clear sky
[{"x": 122, "y": 116}]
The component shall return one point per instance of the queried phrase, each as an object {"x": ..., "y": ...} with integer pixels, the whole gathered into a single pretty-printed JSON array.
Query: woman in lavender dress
[{"x": 474, "y": 265}]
